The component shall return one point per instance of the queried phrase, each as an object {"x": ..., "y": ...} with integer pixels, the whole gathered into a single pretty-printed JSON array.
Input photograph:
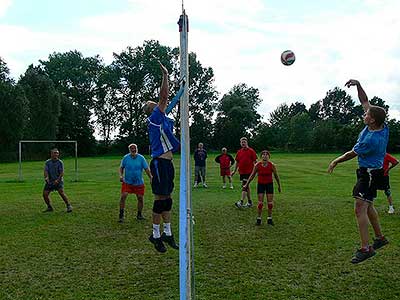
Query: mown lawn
[{"x": 88, "y": 255}]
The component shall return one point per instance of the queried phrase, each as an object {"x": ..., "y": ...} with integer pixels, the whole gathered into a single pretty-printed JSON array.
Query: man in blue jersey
[
  {"x": 130, "y": 174},
  {"x": 163, "y": 143},
  {"x": 370, "y": 150},
  {"x": 53, "y": 177}
]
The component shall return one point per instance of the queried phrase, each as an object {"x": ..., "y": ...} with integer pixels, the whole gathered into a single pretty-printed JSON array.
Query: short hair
[
  {"x": 243, "y": 139},
  {"x": 378, "y": 114},
  {"x": 224, "y": 149},
  {"x": 266, "y": 152},
  {"x": 130, "y": 145},
  {"x": 54, "y": 150},
  {"x": 149, "y": 107}
]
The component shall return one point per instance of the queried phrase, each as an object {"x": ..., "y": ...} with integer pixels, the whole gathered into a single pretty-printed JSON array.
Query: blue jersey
[
  {"x": 134, "y": 167},
  {"x": 371, "y": 147},
  {"x": 54, "y": 169},
  {"x": 161, "y": 137}
]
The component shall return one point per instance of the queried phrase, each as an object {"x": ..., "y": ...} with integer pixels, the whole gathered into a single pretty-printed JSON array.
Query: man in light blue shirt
[
  {"x": 130, "y": 174},
  {"x": 370, "y": 150}
]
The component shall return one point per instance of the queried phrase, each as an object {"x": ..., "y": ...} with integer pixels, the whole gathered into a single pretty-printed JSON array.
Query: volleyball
[{"x": 288, "y": 57}]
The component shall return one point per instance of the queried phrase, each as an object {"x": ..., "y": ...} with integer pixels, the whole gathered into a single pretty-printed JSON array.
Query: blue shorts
[
  {"x": 53, "y": 187},
  {"x": 163, "y": 173}
]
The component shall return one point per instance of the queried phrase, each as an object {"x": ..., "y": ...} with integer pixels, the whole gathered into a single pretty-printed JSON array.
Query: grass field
[{"x": 88, "y": 255}]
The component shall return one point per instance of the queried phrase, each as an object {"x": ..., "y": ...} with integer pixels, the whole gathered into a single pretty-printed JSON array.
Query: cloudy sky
[{"x": 240, "y": 39}]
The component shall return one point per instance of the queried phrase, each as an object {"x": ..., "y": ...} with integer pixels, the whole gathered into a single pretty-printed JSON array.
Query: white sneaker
[
  {"x": 224, "y": 186},
  {"x": 391, "y": 210},
  {"x": 205, "y": 185},
  {"x": 231, "y": 187},
  {"x": 195, "y": 184},
  {"x": 238, "y": 204}
]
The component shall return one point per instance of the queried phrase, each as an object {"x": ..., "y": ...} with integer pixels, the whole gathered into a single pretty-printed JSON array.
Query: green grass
[{"x": 88, "y": 255}]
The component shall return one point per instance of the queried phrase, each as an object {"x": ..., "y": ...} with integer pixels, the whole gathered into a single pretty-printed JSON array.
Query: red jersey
[
  {"x": 388, "y": 159},
  {"x": 245, "y": 158},
  {"x": 264, "y": 172},
  {"x": 224, "y": 160}
]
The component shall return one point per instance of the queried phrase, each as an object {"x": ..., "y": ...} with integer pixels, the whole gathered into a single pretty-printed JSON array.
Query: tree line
[{"x": 69, "y": 96}]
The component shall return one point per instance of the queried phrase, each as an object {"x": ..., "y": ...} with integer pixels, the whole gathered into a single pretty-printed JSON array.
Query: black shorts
[
  {"x": 367, "y": 184},
  {"x": 267, "y": 188},
  {"x": 243, "y": 178},
  {"x": 163, "y": 174},
  {"x": 53, "y": 187},
  {"x": 384, "y": 184}
]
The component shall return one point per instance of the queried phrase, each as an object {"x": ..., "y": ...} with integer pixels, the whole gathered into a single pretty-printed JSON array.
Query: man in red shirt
[
  {"x": 225, "y": 161},
  {"x": 389, "y": 162},
  {"x": 246, "y": 157}
]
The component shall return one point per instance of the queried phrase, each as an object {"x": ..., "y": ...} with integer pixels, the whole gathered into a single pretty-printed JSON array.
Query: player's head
[
  {"x": 133, "y": 149},
  {"x": 149, "y": 106},
  {"x": 54, "y": 153},
  {"x": 200, "y": 145},
  {"x": 375, "y": 115},
  {"x": 224, "y": 150},
  {"x": 265, "y": 155},
  {"x": 243, "y": 142}
]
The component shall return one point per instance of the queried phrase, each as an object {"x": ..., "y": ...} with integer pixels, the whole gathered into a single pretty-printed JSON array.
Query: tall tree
[
  {"x": 237, "y": 115},
  {"x": 76, "y": 78},
  {"x": 44, "y": 104},
  {"x": 13, "y": 114}
]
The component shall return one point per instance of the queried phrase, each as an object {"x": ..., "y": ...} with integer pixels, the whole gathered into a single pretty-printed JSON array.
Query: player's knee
[
  {"x": 358, "y": 208},
  {"x": 158, "y": 206},
  {"x": 270, "y": 205},
  {"x": 388, "y": 192},
  {"x": 260, "y": 205}
]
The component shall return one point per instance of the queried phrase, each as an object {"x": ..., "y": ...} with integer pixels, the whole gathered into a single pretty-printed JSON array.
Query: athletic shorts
[
  {"x": 384, "y": 184},
  {"x": 225, "y": 172},
  {"x": 132, "y": 189},
  {"x": 267, "y": 188},
  {"x": 53, "y": 187},
  {"x": 163, "y": 176},
  {"x": 367, "y": 183},
  {"x": 244, "y": 177}
]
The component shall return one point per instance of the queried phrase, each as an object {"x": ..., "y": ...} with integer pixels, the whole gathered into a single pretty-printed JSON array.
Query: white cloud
[
  {"x": 242, "y": 42},
  {"x": 4, "y": 6}
]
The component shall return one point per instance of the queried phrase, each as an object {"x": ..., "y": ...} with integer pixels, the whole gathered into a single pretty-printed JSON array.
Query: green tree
[
  {"x": 237, "y": 116},
  {"x": 75, "y": 77},
  {"x": 44, "y": 104},
  {"x": 300, "y": 132}
]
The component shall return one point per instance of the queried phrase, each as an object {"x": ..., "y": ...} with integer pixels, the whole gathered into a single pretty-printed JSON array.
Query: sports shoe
[
  {"x": 195, "y": 185},
  {"x": 205, "y": 185},
  {"x": 258, "y": 221},
  {"x": 121, "y": 220},
  {"x": 249, "y": 204},
  {"x": 158, "y": 244},
  {"x": 224, "y": 186},
  {"x": 231, "y": 187},
  {"x": 361, "y": 255},
  {"x": 49, "y": 209},
  {"x": 379, "y": 243},
  {"x": 270, "y": 222},
  {"x": 140, "y": 217},
  {"x": 69, "y": 208},
  {"x": 391, "y": 210},
  {"x": 239, "y": 204},
  {"x": 169, "y": 240}
]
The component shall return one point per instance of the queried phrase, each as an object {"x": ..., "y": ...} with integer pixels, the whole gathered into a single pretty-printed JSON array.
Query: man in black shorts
[{"x": 53, "y": 176}]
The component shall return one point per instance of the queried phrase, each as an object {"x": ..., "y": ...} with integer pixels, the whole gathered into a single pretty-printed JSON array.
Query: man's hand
[
  {"x": 332, "y": 165},
  {"x": 352, "y": 82},
  {"x": 121, "y": 178}
]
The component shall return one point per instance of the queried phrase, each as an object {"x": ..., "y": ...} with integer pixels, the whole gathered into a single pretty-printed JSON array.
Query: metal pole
[
  {"x": 20, "y": 161},
  {"x": 76, "y": 161},
  {"x": 185, "y": 215}
]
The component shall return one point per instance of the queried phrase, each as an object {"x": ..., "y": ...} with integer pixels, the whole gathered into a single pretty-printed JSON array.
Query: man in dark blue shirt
[
  {"x": 53, "y": 176},
  {"x": 200, "y": 156}
]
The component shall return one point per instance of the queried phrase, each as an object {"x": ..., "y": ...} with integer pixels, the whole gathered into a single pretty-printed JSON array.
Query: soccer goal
[{"x": 20, "y": 178}]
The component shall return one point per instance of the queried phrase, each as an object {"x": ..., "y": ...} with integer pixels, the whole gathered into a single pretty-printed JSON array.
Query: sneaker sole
[{"x": 355, "y": 260}]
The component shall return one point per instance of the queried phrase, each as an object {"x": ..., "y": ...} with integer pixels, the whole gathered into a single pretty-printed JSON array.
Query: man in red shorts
[
  {"x": 246, "y": 158},
  {"x": 225, "y": 161},
  {"x": 130, "y": 174}
]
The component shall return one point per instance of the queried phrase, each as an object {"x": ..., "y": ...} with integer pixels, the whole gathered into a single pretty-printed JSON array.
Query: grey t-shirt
[{"x": 54, "y": 168}]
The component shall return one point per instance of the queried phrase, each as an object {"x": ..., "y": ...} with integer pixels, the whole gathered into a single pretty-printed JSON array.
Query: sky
[{"x": 241, "y": 40}]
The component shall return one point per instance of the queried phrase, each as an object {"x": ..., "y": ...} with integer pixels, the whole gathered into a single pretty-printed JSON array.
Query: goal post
[{"x": 45, "y": 141}]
